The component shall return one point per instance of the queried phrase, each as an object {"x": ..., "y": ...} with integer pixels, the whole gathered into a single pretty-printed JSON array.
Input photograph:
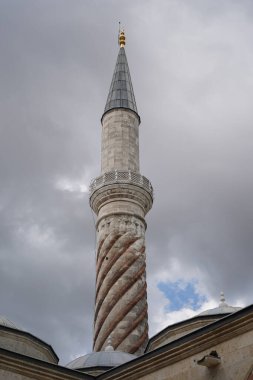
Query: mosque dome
[
  {"x": 101, "y": 359},
  {"x": 7, "y": 323},
  {"x": 13, "y": 338},
  {"x": 223, "y": 308},
  {"x": 107, "y": 358}
]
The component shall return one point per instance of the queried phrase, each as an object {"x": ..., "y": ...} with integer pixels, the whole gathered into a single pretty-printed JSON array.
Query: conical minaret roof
[{"x": 121, "y": 93}]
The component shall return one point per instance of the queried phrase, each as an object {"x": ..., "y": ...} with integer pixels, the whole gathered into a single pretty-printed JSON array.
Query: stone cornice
[
  {"x": 37, "y": 369},
  {"x": 188, "y": 345},
  {"x": 120, "y": 192}
]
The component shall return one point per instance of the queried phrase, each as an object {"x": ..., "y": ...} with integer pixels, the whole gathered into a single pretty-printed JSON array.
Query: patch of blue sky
[{"x": 182, "y": 294}]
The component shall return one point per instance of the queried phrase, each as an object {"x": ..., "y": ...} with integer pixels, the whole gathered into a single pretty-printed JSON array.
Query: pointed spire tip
[{"x": 121, "y": 93}]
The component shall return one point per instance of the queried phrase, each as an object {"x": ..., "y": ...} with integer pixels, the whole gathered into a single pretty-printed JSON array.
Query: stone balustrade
[{"x": 121, "y": 176}]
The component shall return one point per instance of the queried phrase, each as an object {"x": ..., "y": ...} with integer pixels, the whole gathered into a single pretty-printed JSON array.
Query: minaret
[{"x": 121, "y": 197}]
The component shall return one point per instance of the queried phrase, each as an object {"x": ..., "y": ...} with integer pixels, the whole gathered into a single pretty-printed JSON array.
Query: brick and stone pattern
[
  {"x": 121, "y": 295},
  {"x": 121, "y": 298}
]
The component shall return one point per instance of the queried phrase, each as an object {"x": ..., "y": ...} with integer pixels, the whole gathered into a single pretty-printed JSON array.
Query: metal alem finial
[{"x": 122, "y": 37}]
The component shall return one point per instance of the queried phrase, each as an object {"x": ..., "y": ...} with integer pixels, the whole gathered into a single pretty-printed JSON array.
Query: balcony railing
[{"x": 121, "y": 176}]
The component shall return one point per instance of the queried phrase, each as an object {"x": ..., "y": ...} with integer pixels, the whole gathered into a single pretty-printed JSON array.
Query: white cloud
[{"x": 72, "y": 186}]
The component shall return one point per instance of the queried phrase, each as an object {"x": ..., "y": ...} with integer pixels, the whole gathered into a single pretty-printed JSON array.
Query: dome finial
[
  {"x": 122, "y": 38},
  {"x": 109, "y": 346},
  {"x": 222, "y": 299}
]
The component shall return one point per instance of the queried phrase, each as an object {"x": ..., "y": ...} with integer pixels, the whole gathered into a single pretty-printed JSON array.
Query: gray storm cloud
[{"x": 192, "y": 72}]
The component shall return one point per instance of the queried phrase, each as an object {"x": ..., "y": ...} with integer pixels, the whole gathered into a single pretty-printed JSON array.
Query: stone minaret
[{"x": 121, "y": 197}]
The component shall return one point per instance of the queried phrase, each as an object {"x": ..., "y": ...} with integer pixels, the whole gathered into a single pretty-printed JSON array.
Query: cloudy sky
[{"x": 191, "y": 64}]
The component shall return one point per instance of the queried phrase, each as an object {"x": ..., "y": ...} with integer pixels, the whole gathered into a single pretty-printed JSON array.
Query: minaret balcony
[
  {"x": 121, "y": 176},
  {"x": 121, "y": 191}
]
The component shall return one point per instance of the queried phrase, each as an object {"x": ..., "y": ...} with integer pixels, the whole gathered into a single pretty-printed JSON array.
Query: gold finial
[{"x": 122, "y": 38}]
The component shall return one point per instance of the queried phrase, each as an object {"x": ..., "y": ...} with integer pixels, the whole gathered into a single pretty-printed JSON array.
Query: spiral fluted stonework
[{"x": 121, "y": 298}]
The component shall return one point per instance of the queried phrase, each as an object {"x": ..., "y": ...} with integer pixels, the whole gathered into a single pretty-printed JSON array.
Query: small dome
[
  {"x": 6, "y": 322},
  {"x": 101, "y": 359},
  {"x": 16, "y": 340},
  {"x": 223, "y": 308}
]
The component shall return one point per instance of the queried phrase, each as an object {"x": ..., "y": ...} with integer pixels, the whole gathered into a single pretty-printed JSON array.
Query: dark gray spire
[{"x": 121, "y": 94}]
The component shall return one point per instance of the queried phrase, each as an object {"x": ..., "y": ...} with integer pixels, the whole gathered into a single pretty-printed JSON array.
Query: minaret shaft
[
  {"x": 121, "y": 304},
  {"x": 120, "y": 141},
  {"x": 121, "y": 197}
]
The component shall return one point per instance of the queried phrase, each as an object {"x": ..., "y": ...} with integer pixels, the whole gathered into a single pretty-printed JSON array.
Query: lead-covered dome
[
  {"x": 14, "y": 339},
  {"x": 7, "y": 323},
  {"x": 101, "y": 359},
  {"x": 223, "y": 308}
]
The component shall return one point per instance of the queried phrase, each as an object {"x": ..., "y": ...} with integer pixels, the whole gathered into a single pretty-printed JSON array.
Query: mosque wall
[
  {"x": 6, "y": 375},
  {"x": 236, "y": 363}
]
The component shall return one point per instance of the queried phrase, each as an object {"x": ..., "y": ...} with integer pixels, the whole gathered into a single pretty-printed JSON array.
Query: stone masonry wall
[
  {"x": 120, "y": 141},
  {"x": 236, "y": 363}
]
